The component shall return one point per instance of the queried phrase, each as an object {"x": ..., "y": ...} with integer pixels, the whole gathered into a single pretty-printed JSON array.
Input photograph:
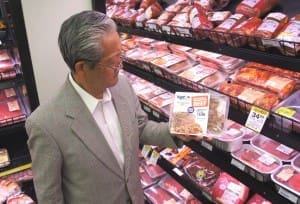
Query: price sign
[
  {"x": 145, "y": 150},
  {"x": 154, "y": 157},
  {"x": 287, "y": 112},
  {"x": 256, "y": 119},
  {"x": 177, "y": 171}
]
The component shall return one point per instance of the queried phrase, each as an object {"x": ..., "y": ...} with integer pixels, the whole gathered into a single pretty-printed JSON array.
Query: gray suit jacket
[{"x": 72, "y": 162}]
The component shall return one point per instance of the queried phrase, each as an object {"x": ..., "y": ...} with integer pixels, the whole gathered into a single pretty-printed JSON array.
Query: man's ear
[{"x": 79, "y": 67}]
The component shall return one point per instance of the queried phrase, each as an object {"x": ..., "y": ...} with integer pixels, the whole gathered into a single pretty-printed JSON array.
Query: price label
[
  {"x": 270, "y": 42},
  {"x": 147, "y": 109},
  {"x": 238, "y": 164},
  {"x": 145, "y": 150},
  {"x": 284, "y": 149},
  {"x": 139, "y": 24},
  {"x": 177, "y": 171},
  {"x": 266, "y": 159},
  {"x": 206, "y": 145},
  {"x": 288, "y": 195},
  {"x": 287, "y": 112},
  {"x": 154, "y": 157},
  {"x": 256, "y": 119}
]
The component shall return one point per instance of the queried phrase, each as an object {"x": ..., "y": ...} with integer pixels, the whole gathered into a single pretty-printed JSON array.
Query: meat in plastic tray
[
  {"x": 11, "y": 111},
  {"x": 154, "y": 171},
  {"x": 157, "y": 195},
  {"x": 162, "y": 100}
]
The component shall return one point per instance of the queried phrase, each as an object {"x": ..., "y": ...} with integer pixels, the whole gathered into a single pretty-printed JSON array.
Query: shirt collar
[{"x": 90, "y": 101}]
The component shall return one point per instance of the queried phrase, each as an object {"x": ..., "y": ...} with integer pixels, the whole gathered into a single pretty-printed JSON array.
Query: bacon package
[
  {"x": 229, "y": 190},
  {"x": 256, "y": 8},
  {"x": 263, "y": 164}
]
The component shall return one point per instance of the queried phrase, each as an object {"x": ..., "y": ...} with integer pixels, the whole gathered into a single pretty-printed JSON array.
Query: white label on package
[
  {"x": 268, "y": 25},
  {"x": 276, "y": 15},
  {"x": 278, "y": 83},
  {"x": 139, "y": 24},
  {"x": 270, "y": 42},
  {"x": 190, "y": 113},
  {"x": 288, "y": 195},
  {"x": 291, "y": 33},
  {"x": 177, "y": 171},
  {"x": 250, "y": 3},
  {"x": 185, "y": 31},
  {"x": 227, "y": 24},
  {"x": 166, "y": 28},
  {"x": 197, "y": 73},
  {"x": 284, "y": 149},
  {"x": 231, "y": 194},
  {"x": 266, "y": 159},
  {"x": 238, "y": 164},
  {"x": 152, "y": 26},
  {"x": 208, "y": 54},
  {"x": 13, "y": 106}
]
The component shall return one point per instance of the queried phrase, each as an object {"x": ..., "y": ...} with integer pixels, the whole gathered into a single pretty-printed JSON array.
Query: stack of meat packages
[
  {"x": 260, "y": 85},
  {"x": 7, "y": 65}
]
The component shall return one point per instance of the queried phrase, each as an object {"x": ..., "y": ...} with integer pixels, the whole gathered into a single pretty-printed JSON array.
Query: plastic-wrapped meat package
[
  {"x": 132, "y": 56},
  {"x": 214, "y": 79},
  {"x": 7, "y": 94},
  {"x": 4, "y": 158},
  {"x": 180, "y": 50},
  {"x": 175, "y": 8},
  {"x": 218, "y": 114},
  {"x": 7, "y": 65},
  {"x": 146, "y": 180},
  {"x": 4, "y": 55},
  {"x": 128, "y": 18},
  {"x": 8, "y": 188},
  {"x": 217, "y": 17},
  {"x": 202, "y": 172},
  {"x": 296, "y": 162},
  {"x": 220, "y": 33},
  {"x": 146, "y": 3},
  {"x": 256, "y": 8},
  {"x": 157, "y": 195},
  {"x": 207, "y": 5},
  {"x": 161, "y": 46},
  {"x": 258, "y": 199},
  {"x": 273, "y": 147},
  {"x": 240, "y": 34},
  {"x": 153, "y": 11},
  {"x": 264, "y": 164},
  {"x": 150, "y": 92},
  {"x": 290, "y": 107},
  {"x": 11, "y": 112},
  {"x": 161, "y": 64},
  {"x": 162, "y": 100},
  {"x": 288, "y": 177},
  {"x": 229, "y": 190},
  {"x": 20, "y": 199},
  {"x": 140, "y": 84},
  {"x": 128, "y": 44},
  {"x": 144, "y": 43},
  {"x": 154, "y": 171},
  {"x": 22, "y": 176},
  {"x": 270, "y": 28},
  {"x": 175, "y": 155},
  {"x": 289, "y": 36}
]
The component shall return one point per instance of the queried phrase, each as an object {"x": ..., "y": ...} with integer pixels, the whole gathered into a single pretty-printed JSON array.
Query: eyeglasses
[{"x": 115, "y": 67}]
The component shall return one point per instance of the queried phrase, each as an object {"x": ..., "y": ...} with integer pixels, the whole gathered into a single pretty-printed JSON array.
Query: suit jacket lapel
[
  {"x": 87, "y": 130},
  {"x": 126, "y": 126}
]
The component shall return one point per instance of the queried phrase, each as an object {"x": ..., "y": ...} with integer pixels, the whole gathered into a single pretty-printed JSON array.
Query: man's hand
[{"x": 188, "y": 138}]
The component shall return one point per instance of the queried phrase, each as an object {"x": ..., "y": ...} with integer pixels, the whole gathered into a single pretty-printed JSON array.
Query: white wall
[{"x": 42, "y": 21}]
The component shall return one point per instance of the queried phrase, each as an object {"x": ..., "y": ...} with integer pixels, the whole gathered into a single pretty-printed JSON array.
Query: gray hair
[{"x": 80, "y": 35}]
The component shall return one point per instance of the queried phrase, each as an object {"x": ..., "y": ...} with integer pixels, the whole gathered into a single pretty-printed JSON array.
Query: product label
[
  {"x": 13, "y": 106},
  {"x": 256, "y": 119},
  {"x": 154, "y": 157},
  {"x": 146, "y": 108},
  {"x": 155, "y": 114},
  {"x": 270, "y": 42},
  {"x": 266, "y": 159},
  {"x": 269, "y": 26},
  {"x": 250, "y": 95},
  {"x": 185, "y": 194},
  {"x": 287, "y": 112},
  {"x": 277, "y": 16},
  {"x": 250, "y": 3},
  {"x": 284, "y": 149},
  {"x": 178, "y": 172},
  {"x": 227, "y": 24},
  {"x": 278, "y": 83},
  {"x": 9, "y": 92},
  {"x": 291, "y": 33}
]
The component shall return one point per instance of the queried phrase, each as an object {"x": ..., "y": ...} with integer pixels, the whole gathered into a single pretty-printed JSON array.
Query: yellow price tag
[
  {"x": 145, "y": 150},
  {"x": 256, "y": 119},
  {"x": 154, "y": 157},
  {"x": 287, "y": 112}
]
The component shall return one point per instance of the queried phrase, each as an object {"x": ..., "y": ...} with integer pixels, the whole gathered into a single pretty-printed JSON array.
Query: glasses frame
[{"x": 115, "y": 67}]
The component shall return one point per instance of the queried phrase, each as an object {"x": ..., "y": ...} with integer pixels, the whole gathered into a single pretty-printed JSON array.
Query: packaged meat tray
[
  {"x": 289, "y": 37},
  {"x": 166, "y": 62},
  {"x": 202, "y": 172},
  {"x": 213, "y": 80},
  {"x": 131, "y": 56},
  {"x": 179, "y": 49},
  {"x": 287, "y": 180},
  {"x": 8, "y": 188},
  {"x": 170, "y": 185},
  {"x": 256, "y": 8},
  {"x": 296, "y": 162},
  {"x": 273, "y": 147},
  {"x": 144, "y": 60},
  {"x": 231, "y": 139},
  {"x": 162, "y": 100},
  {"x": 175, "y": 155},
  {"x": 146, "y": 180},
  {"x": 6, "y": 66},
  {"x": 258, "y": 199},
  {"x": 190, "y": 113},
  {"x": 20, "y": 199},
  {"x": 290, "y": 109},
  {"x": 11, "y": 112},
  {"x": 154, "y": 171},
  {"x": 259, "y": 164},
  {"x": 218, "y": 113},
  {"x": 229, "y": 190},
  {"x": 4, "y": 56},
  {"x": 7, "y": 94},
  {"x": 150, "y": 92},
  {"x": 171, "y": 72},
  {"x": 157, "y": 195}
]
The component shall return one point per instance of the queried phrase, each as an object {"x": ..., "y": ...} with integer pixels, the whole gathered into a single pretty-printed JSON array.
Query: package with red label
[
  {"x": 156, "y": 195},
  {"x": 258, "y": 199},
  {"x": 273, "y": 147},
  {"x": 229, "y": 190},
  {"x": 270, "y": 27},
  {"x": 20, "y": 199},
  {"x": 261, "y": 164},
  {"x": 240, "y": 34},
  {"x": 288, "y": 178},
  {"x": 256, "y": 8},
  {"x": 220, "y": 33}
]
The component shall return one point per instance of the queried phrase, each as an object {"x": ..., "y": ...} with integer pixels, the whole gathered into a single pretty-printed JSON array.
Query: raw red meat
[
  {"x": 258, "y": 199},
  {"x": 294, "y": 182},
  {"x": 158, "y": 196}
]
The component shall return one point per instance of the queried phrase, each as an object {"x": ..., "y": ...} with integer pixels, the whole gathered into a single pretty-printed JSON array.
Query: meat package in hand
[{"x": 228, "y": 190}]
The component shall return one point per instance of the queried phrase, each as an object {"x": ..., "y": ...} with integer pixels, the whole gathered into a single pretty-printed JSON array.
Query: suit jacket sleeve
[
  {"x": 47, "y": 166},
  {"x": 151, "y": 132}
]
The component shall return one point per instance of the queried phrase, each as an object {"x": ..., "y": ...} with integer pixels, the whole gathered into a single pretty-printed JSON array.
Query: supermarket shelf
[
  {"x": 240, "y": 116},
  {"x": 275, "y": 59}
]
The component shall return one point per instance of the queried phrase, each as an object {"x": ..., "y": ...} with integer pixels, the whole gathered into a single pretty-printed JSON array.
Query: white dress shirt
[{"x": 106, "y": 117}]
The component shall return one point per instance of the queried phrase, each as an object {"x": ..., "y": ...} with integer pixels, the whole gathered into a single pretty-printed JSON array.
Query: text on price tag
[
  {"x": 145, "y": 150},
  {"x": 256, "y": 119},
  {"x": 154, "y": 157}
]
